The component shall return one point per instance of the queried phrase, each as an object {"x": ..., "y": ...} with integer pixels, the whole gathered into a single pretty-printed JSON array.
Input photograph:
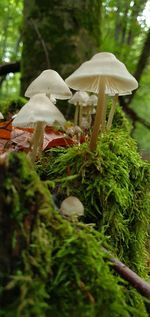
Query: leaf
[{"x": 15, "y": 139}]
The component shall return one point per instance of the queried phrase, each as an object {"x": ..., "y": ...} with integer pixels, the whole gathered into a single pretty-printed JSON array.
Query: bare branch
[
  {"x": 127, "y": 274},
  {"x": 7, "y": 68}
]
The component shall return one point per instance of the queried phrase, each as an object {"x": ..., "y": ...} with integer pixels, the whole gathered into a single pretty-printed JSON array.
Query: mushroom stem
[
  {"x": 48, "y": 95},
  {"x": 99, "y": 123},
  {"x": 76, "y": 115},
  {"x": 80, "y": 116},
  {"x": 37, "y": 140},
  {"x": 111, "y": 113}
]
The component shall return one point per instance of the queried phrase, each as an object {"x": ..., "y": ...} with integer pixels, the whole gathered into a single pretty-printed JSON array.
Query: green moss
[
  {"x": 113, "y": 185},
  {"x": 50, "y": 267}
]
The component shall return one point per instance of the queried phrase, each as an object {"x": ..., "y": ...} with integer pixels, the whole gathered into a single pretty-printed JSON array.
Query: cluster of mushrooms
[{"x": 102, "y": 75}]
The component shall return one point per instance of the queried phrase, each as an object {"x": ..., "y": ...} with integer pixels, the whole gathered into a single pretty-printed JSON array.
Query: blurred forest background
[{"x": 40, "y": 34}]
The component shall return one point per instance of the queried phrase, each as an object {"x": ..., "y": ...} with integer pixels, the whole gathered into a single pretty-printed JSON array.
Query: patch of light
[
  {"x": 11, "y": 75},
  {"x": 131, "y": 4},
  {"x": 6, "y": 59},
  {"x": 144, "y": 19}
]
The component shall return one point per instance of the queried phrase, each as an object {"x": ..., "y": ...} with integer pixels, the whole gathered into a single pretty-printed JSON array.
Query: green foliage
[
  {"x": 11, "y": 42},
  {"x": 10, "y": 26},
  {"x": 113, "y": 185},
  {"x": 140, "y": 105},
  {"x": 50, "y": 267}
]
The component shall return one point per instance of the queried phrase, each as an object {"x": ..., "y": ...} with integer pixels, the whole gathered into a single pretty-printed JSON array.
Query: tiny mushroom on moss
[
  {"x": 50, "y": 83},
  {"x": 102, "y": 74},
  {"x": 79, "y": 100},
  {"x": 72, "y": 208},
  {"x": 38, "y": 112}
]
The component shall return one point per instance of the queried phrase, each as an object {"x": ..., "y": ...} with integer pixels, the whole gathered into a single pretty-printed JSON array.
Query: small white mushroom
[
  {"x": 92, "y": 101},
  {"x": 102, "y": 74},
  {"x": 38, "y": 112},
  {"x": 50, "y": 83},
  {"x": 72, "y": 208},
  {"x": 79, "y": 100},
  {"x": 89, "y": 110}
]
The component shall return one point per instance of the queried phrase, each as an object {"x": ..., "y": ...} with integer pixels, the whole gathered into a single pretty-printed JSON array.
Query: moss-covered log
[
  {"x": 113, "y": 185},
  {"x": 48, "y": 266}
]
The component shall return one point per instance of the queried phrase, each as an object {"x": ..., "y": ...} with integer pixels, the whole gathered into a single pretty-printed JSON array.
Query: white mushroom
[
  {"x": 1, "y": 116},
  {"x": 102, "y": 74},
  {"x": 92, "y": 101},
  {"x": 50, "y": 83},
  {"x": 72, "y": 208},
  {"x": 52, "y": 99},
  {"x": 79, "y": 100},
  {"x": 90, "y": 109},
  {"x": 38, "y": 112}
]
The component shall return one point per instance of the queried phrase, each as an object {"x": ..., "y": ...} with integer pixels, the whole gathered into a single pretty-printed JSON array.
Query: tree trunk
[
  {"x": 58, "y": 35},
  {"x": 142, "y": 62}
]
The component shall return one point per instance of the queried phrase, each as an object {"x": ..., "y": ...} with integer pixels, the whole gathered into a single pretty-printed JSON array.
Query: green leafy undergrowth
[
  {"x": 113, "y": 185},
  {"x": 48, "y": 266}
]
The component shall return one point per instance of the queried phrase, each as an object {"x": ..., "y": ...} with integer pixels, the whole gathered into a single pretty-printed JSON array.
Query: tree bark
[
  {"x": 58, "y": 35},
  {"x": 142, "y": 62}
]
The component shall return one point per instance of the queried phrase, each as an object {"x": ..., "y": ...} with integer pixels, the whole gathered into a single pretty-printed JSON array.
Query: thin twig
[
  {"x": 42, "y": 42},
  {"x": 127, "y": 274}
]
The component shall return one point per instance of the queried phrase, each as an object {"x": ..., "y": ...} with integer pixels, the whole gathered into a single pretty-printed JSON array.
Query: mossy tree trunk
[{"x": 58, "y": 35}]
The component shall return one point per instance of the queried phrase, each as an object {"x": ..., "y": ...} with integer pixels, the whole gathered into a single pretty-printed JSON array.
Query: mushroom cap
[
  {"x": 79, "y": 98},
  {"x": 92, "y": 101},
  {"x": 72, "y": 207},
  {"x": 1, "y": 116},
  {"x": 49, "y": 82},
  {"x": 106, "y": 67},
  {"x": 38, "y": 109}
]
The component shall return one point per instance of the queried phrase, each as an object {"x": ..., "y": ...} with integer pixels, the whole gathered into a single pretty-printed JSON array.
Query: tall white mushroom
[
  {"x": 102, "y": 74},
  {"x": 79, "y": 100},
  {"x": 50, "y": 83},
  {"x": 38, "y": 112}
]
